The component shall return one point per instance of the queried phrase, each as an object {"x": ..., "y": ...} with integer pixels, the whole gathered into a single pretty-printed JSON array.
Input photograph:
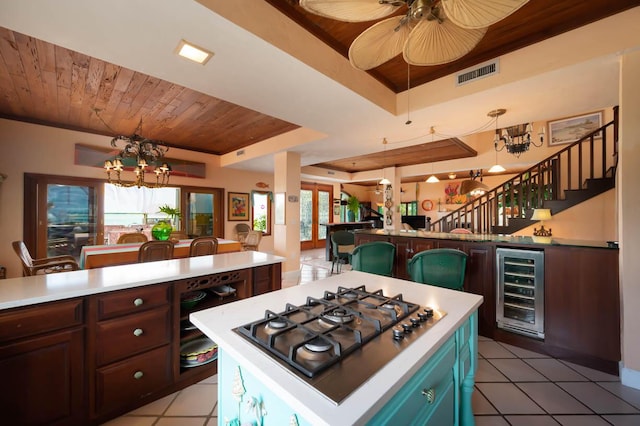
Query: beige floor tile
[
  {"x": 481, "y": 405},
  {"x": 517, "y": 370},
  {"x": 491, "y": 349},
  {"x": 631, "y": 395},
  {"x": 581, "y": 421},
  {"x": 555, "y": 371},
  {"x": 508, "y": 399},
  {"x": 132, "y": 421},
  {"x": 156, "y": 408},
  {"x": 553, "y": 399},
  {"x": 523, "y": 353},
  {"x": 623, "y": 420},
  {"x": 596, "y": 398},
  {"x": 531, "y": 421},
  {"x": 490, "y": 421},
  {"x": 591, "y": 374},
  {"x": 196, "y": 400},
  {"x": 213, "y": 421},
  {"x": 212, "y": 380},
  {"x": 182, "y": 421},
  {"x": 486, "y": 372}
]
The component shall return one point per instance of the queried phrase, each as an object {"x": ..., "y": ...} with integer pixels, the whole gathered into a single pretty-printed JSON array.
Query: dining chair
[
  {"x": 155, "y": 250},
  {"x": 47, "y": 265},
  {"x": 252, "y": 241},
  {"x": 442, "y": 267},
  {"x": 242, "y": 230},
  {"x": 376, "y": 257},
  {"x": 203, "y": 246},
  {"x": 132, "y": 237},
  {"x": 342, "y": 244},
  {"x": 176, "y": 236}
]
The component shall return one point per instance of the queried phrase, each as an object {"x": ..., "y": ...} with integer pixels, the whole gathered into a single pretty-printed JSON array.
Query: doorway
[{"x": 315, "y": 209}]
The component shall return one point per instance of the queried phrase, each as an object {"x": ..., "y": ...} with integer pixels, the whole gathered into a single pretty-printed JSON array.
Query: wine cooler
[{"x": 520, "y": 295}]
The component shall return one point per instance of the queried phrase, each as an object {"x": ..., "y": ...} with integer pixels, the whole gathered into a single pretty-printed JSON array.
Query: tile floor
[{"x": 513, "y": 387}]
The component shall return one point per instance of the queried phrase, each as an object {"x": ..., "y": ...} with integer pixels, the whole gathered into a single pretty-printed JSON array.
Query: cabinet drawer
[
  {"x": 123, "y": 383},
  {"x": 429, "y": 393},
  {"x": 129, "y": 301},
  {"x": 47, "y": 317},
  {"x": 122, "y": 337}
]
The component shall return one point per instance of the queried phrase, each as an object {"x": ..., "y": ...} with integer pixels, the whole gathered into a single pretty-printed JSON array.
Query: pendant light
[
  {"x": 384, "y": 180},
  {"x": 433, "y": 178},
  {"x": 496, "y": 168}
]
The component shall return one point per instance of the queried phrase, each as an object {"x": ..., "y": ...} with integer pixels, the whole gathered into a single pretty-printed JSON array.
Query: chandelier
[
  {"x": 142, "y": 153},
  {"x": 516, "y": 139}
]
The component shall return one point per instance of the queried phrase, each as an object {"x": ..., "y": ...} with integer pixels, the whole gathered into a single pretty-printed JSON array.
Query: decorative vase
[{"x": 162, "y": 230}]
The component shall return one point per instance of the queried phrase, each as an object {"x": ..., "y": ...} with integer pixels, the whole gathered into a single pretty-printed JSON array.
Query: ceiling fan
[{"x": 430, "y": 32}]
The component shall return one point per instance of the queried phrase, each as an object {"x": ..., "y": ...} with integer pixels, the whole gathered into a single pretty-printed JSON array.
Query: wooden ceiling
[
  {"x": 47, "y": 84},
  {"x": 534, "y": 22},
  {"x": 442, "y": 150}
]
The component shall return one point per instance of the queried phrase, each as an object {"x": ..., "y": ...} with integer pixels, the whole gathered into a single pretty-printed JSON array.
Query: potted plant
[
  {"x": 162, "y": 230},
  {"x": 353, "y": 207}
]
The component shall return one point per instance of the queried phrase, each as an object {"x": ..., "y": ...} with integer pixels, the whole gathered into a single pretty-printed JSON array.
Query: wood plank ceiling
[{"x": 46, "y": 84}]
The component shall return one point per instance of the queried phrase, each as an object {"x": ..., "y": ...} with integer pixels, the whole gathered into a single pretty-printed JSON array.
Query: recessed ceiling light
[{"x": 193, "y": 52}]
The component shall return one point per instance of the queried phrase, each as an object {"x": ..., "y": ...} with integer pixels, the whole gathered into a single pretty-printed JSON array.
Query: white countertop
[
  {"x": 217, "y": 323},
  {"x": 16, "y": 292}
]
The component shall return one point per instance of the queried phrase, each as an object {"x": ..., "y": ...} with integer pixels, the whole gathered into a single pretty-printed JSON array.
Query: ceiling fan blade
[
  {"x": 480, "y": 13},
  {"x": 349, "y": 10},
  {"x": 379, "y": 43},
  {"x": 434, "y": 43}
]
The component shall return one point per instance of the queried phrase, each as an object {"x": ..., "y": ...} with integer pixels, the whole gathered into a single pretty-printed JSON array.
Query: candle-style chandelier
[
  {"x": 516, "y": 139},
  {"x": 142, "y": 154}
]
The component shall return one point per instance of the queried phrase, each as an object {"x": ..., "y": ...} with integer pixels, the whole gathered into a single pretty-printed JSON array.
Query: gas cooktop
[{"x": 335, "y": 343}]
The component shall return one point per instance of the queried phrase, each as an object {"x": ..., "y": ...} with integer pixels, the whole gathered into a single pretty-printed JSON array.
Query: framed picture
[
  {"x": 279, "y": 208},
  {"x": 571, "y": 129},
  {"x": 238, "y": 206}
]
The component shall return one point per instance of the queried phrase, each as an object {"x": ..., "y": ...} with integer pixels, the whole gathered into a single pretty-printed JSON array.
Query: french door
[
  {"x": 62, "y": 214},
  {"x": 315, "y": 209}
]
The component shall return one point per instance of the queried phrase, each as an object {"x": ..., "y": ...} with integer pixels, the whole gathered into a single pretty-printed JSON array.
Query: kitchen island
[
  {"x": 83, "y": 347},
  {"x": 429, "y": 381}
]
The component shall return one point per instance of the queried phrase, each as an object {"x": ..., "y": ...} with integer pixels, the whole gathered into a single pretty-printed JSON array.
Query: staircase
[{"x": 572, "y": 175}]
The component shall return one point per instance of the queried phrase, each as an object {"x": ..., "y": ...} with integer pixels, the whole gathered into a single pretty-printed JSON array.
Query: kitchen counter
[
  {"x": 493, "y": 238},
  {"x": 310, "y": 405},
  {"x": 17, "y": 292}
]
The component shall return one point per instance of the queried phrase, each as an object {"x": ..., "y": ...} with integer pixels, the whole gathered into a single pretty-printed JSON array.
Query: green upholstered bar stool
[
  {"x": 376, "y": 257},
  {"x": 440, "y": 267}
]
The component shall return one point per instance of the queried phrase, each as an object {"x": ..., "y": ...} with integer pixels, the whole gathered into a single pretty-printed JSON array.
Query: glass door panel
[
  {"x": 324, "y": 210},
  {"x": 306, "y": 215},
  {"x": 315, "y": 210},
  {"x": 200, "y": 221}
]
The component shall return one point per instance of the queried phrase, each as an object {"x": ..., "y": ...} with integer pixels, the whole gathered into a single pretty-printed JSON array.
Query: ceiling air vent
[{"x": 477, "y": 72}]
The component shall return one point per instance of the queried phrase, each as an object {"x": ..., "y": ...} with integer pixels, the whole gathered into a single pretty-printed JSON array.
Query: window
[
  {"x": 261, "y": 211},
  {"x": 409, "y": 209}
]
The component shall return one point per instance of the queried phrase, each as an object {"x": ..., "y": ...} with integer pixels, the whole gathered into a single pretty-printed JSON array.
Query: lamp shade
[
  {"x": 432, "y": 179},
  {"x": 467, "y": 186},
  {"x": 385, "y": 181},
  {"x": 541, "y": 214}
]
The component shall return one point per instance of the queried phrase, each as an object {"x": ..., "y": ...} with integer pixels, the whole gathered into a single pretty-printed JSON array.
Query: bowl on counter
[
  {"x": 198, "y": 352},
  {"x": 190, "y": 299}
]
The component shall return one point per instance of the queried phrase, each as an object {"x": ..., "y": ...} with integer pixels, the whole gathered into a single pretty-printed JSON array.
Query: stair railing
[{"x": 594, "y": 156}]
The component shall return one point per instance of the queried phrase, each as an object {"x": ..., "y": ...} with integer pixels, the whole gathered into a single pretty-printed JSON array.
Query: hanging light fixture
[
  {"x": 384, "y": 180},
  {"x": 433, "y": 178},
  {"x": 143, "y": 154},
  {"x": 472, "y": 186},
  {"x": 516, "y": 139},
  {"x": 496, "y": 168}
]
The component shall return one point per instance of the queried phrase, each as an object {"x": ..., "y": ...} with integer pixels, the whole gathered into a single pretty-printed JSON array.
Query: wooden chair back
[
  {"x": 132, "y": 237},
  {"x": 47, "y": 265},
  {"x": 252, "y": 241},
  {"x": 152, "y": 251},
  {"x": 203, "y": 246}
]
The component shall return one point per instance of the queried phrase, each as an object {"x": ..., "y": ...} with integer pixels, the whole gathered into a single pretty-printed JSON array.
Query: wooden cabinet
[
  {"x": 582, "y": 302},
  {"x": 42, "y": 364},
  {"x": 266, "y": 278},
  {"x": 130, "y": 335},
  {"x": 406, "y": 248},
  {"x": 480, "y": 279}
]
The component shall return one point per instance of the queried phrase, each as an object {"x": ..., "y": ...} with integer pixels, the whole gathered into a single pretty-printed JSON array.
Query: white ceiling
[{"x": 577, "y": 76}]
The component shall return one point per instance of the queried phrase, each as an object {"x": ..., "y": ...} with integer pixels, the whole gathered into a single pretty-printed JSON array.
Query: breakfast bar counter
[{"x": 429, "y": 380}]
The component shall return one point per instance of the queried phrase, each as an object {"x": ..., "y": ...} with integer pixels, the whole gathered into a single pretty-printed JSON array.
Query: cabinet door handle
[
  {"x": 430, "y": 394},
  {"x": 138, "y": 375},
  {"x": 138, "y": 302},
  {"x": 138, "y": 332}
]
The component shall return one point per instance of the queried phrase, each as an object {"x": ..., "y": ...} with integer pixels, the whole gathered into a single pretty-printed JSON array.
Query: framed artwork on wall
[
  {"x": 568, "y": 130},
  {"x": 237, "y": 206}
]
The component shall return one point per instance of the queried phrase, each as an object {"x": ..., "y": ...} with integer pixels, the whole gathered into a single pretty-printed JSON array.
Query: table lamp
[{"x": 541, "y": 215}]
